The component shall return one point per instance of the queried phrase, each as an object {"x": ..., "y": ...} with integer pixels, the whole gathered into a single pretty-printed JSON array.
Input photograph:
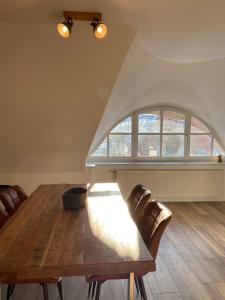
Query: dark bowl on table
[{"x": 75, "y": 198}]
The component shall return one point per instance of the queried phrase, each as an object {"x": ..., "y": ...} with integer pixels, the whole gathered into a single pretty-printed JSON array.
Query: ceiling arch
[{"x": 145, "y": 80}]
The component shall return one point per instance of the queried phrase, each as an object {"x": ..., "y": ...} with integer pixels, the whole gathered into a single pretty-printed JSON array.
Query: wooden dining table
[{"x": 42, "y": 239}]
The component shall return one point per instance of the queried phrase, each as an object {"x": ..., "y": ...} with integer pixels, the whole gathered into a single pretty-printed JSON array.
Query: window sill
[{"x": 156, "y": 163}]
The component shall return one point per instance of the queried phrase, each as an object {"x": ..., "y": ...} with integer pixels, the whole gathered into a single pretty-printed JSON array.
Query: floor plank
[
  {"x": 168, "y": 296},
  {"x": 188, "y": 283},
  {"x": 161, "y": 281},
  {"x": 217, "y": 290}
]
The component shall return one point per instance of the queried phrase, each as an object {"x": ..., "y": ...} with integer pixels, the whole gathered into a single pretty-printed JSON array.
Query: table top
[{"x": 42, "y": 239}]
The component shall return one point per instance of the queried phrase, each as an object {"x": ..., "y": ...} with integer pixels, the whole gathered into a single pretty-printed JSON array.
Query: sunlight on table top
[{"x": 110, "y": 220}]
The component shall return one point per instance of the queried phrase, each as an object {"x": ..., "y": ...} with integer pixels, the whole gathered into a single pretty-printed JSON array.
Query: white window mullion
[
  {"x": 161, "y": 131},
  {"x": 107, "y": 145},
  {"x": 134, "y": 137},
  {"x": 212, "y": 143},
  {"x": 187, "y": 136}
]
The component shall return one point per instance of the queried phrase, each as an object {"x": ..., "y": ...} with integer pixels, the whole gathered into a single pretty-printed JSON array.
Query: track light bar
[
  {"x": 82, "y": 16},
  {"x": 65, "y": 27}
]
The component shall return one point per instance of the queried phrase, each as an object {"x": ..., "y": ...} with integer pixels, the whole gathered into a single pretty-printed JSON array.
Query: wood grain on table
[{"x": 42, "y": 239}]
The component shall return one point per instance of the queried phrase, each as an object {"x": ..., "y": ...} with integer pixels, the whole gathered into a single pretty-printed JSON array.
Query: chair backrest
[
  {"x": 156, "y": 218},
  {"x": 12, "y": 198},
  {"x": 138, "y": 192},
  {"x": 21, "y": 193},
  {"x": 3, "y": 214},
  {"x": 139, "y": 213},
  {"x": 4, "y": 186}
]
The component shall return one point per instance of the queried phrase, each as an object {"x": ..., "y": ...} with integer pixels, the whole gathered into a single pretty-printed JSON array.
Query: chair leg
[
  {"x": 12, "y": 289},
  {"x": 59, "y": 285},
  {"x": 142, "y": 288},
  {"x": 93, "y": 288},
  {"x": 89, "y": 288},
  {"x": 136, "y": 284},
  {"x": 45, "y": 291},
  {"x": 98, "y": 290},
  {"x": 9, "y": 288}
]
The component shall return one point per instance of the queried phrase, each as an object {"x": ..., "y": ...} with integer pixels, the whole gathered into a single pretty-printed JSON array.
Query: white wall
[
  {"x": 52, "y": 96},
  {"x": 168, "y": 182},
  {"x": 30, "y": 181}
]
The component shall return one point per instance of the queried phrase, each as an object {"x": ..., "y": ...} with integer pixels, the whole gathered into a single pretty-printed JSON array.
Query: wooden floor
[{"x": 190, "y": 264}]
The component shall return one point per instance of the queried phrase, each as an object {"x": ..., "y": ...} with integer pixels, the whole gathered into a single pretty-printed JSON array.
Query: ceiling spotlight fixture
[
  {"x": 64, "y": 28},
  {"x": 99, "y": 28}
]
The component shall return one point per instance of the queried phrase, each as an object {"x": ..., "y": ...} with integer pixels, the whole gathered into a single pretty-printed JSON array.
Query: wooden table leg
[{"x": 131, "y": 287}]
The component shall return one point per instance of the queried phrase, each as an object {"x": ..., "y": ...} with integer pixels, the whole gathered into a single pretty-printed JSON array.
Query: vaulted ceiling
[
  {"x": 145, "y": 80},
  {"x": 178, "y": 31}
]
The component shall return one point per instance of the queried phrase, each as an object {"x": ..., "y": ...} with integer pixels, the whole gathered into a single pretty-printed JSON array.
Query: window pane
[
  {"x": 172, "y": 145},
  {"x": 173, "y": 122},
  {"x": 101, "y": 150},
  {"x": 123, "y": 127},
  {"x": 197, "y": 126},
  {"x": 148, "y": 145},
  {"x": 217, "y": 149},
  {"x": 149, "y": 123},
  {"x": 200, "y": 145},
  {"x": 120, "y": 145}
]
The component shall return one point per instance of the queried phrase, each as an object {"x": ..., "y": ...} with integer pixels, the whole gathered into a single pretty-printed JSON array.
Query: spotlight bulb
[
  {"x": 100, "y": 30},
  {"x": 64, "y": 28}
]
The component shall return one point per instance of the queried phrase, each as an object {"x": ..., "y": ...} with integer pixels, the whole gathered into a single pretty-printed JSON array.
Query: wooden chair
[
  {"x": 4, "y": 216},
  {"x": 4, "y": 186},
  {"x": 10, "y": 200},
  {"x": 139, "y": 212},
  {"x": 155, "y": 220},
  {"x": 21, "y": 193},
  {"x": 138, "y": 199}
]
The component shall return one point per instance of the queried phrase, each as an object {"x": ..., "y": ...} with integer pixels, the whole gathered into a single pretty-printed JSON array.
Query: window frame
[{"x": 134, "y": 139}]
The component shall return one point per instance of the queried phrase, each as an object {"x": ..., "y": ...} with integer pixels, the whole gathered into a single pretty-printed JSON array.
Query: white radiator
[{"x": 175, "y": 185}]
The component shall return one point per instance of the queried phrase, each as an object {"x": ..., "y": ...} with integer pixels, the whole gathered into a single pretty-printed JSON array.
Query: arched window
[{"x": 158, "y": 134}]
